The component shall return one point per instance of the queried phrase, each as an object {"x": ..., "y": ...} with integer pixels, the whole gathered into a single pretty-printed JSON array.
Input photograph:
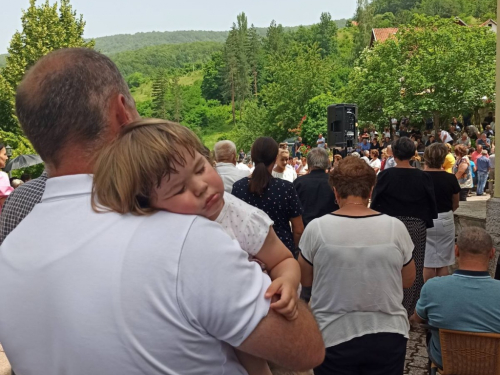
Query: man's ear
[
  {"x": 457, "y": 252},
  {"x": 492, "y": 253},
  {"x": 120, "y": 113}
]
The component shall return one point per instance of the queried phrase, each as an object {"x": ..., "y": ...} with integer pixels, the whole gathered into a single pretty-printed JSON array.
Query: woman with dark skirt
[{"x": 407, "y": 193}]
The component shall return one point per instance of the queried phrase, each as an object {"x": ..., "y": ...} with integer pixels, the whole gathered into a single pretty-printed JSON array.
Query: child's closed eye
[{"x": 183, "y": 189}]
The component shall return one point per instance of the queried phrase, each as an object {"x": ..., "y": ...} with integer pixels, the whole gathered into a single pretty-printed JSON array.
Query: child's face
[
  {"x": 282, "y": 161},
  {"x": 196, "y": 189}
]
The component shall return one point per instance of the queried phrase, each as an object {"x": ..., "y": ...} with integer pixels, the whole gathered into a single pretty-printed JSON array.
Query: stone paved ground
[{"x": 416, "y": 358}]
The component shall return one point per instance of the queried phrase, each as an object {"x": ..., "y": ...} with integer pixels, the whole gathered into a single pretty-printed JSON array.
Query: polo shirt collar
[
  {"x": 471, "y": 273},
  {"x": 67, "y": 186},
  {"x": 225, "y": 165}
]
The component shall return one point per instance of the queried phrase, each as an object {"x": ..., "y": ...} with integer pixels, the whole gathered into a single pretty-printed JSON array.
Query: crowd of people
[
  {"x": 145, "y": 252},
  {"x": 465, "y": 146}
]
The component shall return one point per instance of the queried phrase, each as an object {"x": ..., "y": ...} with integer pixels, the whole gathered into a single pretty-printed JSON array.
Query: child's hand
[{"x": 287, "y": 303}]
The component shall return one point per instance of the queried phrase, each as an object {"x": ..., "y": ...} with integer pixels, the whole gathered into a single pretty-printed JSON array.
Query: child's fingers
[
  {"x": 280, "y": 304},
  {"x": 273, "y": 289},
  {"x": 290, "y": 311}
]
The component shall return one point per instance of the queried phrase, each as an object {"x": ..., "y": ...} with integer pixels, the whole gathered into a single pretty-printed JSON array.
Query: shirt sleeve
[
  {"x": 5, "y": 188},
  {"x": 309, "y": 243},
  {"x": 292, "y": 202},
  {"x": 403, "y": 241},
  {"x": 253, "y": 234},
  {"x": 220, "y": 292}
]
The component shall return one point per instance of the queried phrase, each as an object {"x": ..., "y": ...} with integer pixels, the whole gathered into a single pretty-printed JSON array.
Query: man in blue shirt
[
  {"x": 321, "y": 141},
  {"x": 365, "y": 145},
  {"x": 468, "y": 300},
  {"x": 483, "y": 168}
]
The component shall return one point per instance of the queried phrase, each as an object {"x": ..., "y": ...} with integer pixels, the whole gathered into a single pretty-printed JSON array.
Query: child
[{"x": 159, "y": 165}]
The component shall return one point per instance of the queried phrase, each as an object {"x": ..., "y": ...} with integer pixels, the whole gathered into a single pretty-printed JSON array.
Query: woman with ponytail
[{"x": 274, "y": 196}]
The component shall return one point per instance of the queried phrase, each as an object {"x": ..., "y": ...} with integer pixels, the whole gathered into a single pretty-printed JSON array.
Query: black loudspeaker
[{"x": 342, "y": 130}]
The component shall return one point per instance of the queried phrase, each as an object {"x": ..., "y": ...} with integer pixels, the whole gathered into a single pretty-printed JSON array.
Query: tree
[
  {"x": 254, "y": 52},
  {"x": 316, "y": 122},
  {"x": 45, "y": 28},
  {"x": 297, "y": 76},
  {"x": 160, "y": 87},
  {"x": 364, "y": 17},
  {"x": 176, "y": 101},
  {"x": 434, "y": 68},
  {"x": 7, "y": 117},
  {"x": 325, "y": 33},
  {"x": 231, "y": 63},
  {"x": 212, "y": 87}
]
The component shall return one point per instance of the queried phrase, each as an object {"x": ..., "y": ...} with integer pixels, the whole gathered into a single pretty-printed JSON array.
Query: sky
[{"x": 110, "y": 17}]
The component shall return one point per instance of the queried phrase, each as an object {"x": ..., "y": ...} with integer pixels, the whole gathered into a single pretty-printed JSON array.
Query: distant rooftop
[{"x": 381, "y": 35}]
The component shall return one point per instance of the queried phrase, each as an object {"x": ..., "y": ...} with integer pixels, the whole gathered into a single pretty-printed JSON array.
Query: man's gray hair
[
  {"x": 355, "y": 154},
  {"x": 64, "y": 99},
  {"x": 317, "y": 158},
  {"x": 224, "y": 151},
  {"x": 366, "y": 153},
  {"x": 474, "y": 241}
]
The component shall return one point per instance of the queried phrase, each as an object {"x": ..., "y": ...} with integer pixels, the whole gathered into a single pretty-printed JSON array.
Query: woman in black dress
[
  {"x": 408, "y": 194},
  {"x": 274, "y": 196}
]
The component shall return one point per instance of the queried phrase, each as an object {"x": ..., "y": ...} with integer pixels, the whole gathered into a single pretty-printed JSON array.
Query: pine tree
[
  {"x": 231, "y": 59},
  {"x": 176, "y": 95},
  {"x": 159, "y": 89},
  {"x": 254, "y": 48}
]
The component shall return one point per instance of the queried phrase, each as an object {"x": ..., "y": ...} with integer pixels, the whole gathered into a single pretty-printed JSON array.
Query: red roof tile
[
  {"x": 487, "y": 22},
  {"x": 381, "y": 35}
]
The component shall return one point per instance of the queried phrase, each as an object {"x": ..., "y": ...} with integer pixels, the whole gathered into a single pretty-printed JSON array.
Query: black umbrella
[{"x": 23, "y": 161}]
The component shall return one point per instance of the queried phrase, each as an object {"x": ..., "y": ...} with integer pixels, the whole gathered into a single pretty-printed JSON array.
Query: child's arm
[{"x": 285, "y": 273}]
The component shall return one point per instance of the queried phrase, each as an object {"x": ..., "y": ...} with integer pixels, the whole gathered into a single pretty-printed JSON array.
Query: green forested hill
[
  {"x": 128, "y": 42},
  {"x": 149, "y": 59}
]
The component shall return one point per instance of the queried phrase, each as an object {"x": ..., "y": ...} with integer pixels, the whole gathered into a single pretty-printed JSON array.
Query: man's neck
[
  {"x": 472, "y": 265},
  {"x": 69, "y": 167}
]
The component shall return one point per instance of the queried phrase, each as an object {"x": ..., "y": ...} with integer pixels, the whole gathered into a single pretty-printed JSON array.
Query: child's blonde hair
[
  {"x": 127, "y": 171},
  {"x": 283, "y": 151}
]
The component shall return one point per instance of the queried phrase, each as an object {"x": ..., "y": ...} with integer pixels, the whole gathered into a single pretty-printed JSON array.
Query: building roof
[
  {"x": 381, "y": 35},
  {"x": 488, "y": 23},
  {"x": 460, "y": 21}
]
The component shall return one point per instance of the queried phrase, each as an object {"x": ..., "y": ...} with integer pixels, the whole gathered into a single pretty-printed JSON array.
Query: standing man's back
[
  {"x": 314, "y": 191},
  {"x": 108, "y": 294}
]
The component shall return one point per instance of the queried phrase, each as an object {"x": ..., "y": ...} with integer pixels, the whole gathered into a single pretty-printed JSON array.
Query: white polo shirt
[
  {"x": 230, "y": 173},
  {"x": 102, "y": 293}
]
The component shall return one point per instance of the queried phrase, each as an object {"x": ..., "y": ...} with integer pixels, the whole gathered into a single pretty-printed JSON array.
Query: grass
[
  {"x": 143, "y": 92},
  {"x": 191, "y": 78}
]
